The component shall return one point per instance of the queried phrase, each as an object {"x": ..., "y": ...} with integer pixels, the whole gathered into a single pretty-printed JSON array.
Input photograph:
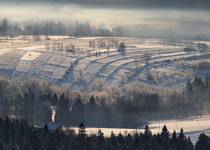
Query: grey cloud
[{"x": 131, "y": 3}]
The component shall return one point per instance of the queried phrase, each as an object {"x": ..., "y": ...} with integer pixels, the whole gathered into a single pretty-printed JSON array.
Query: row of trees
[
  {"x": 197, "y": 91},
  {"x": 56, "y": 28},
  {"x": 198, "y": 83},
  {"x": 16, "y": 134},
  {"x": 95, "y": 113},
  {"x": 34, "y": 102},
  {"x": 4, "y": 25}
]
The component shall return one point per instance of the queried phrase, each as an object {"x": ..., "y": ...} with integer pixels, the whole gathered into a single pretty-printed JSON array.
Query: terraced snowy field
[{"x": 73, "y": 62}]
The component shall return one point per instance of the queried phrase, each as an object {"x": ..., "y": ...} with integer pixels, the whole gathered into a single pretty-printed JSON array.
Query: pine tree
[
  {"x": 46, "y": 129},
  {"x": 147, "y": 138},
  {"x": 82, "y": 132},
  {"x": 173, "y": 141},
  {"x": 55, "y": 99},
  {"x": 100, "y": 140},
  {"x": 182, "y": 141},
  {"x": 147, "y": 131},
  {"x": 165, "y": 138},
  {"x": 81, "y": 137},
  {"x": 203, "y": 142},
  {"x": 112, "y": 142}
]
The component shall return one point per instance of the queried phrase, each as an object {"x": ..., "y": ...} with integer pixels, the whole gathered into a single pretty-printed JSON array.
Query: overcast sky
[{"x": 131, "y": 3}]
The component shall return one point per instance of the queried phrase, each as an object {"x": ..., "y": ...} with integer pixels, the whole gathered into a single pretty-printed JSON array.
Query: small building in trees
[{"x": 52, "y": 126}]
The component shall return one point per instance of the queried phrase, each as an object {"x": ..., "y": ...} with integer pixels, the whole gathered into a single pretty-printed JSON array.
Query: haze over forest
[{"x": 137, "y": 18}]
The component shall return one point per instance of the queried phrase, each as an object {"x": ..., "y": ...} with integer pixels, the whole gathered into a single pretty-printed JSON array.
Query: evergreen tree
[
  {"x": 173, "y": 141},
  {"x": 100, "y": 140},
  {"x": 55, "y": 99},
  {"x": 147, "y": 138},
  {"x": 82, "y": 137},
  {"x": 82, "y": 132},
  {"x": 112, "y": 142},
  {"x": 203, "y": 142},
  {"x": 165, "y": 138},
  {"x": 77, "y": 112},
  {"x": 62, "y": 113}
]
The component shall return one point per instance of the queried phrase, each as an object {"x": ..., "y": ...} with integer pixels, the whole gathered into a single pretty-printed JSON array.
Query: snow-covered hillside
[{"x": 82, "y": 65}]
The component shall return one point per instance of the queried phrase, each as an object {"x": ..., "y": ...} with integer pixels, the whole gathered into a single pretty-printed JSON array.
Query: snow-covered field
[
  {"x": 193, "y": 127},
  {"x": 74, "y": 63}
]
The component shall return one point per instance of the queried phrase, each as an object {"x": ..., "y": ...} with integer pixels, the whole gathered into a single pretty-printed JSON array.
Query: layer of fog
[{"x": 138, "y": 22}]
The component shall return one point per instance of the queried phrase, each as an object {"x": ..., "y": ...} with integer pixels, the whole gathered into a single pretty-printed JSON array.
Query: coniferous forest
[
  {"x": 34, "y": 101},
  {"x": 29, "y": 109},
  {"x": 19, "y": 135}
]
